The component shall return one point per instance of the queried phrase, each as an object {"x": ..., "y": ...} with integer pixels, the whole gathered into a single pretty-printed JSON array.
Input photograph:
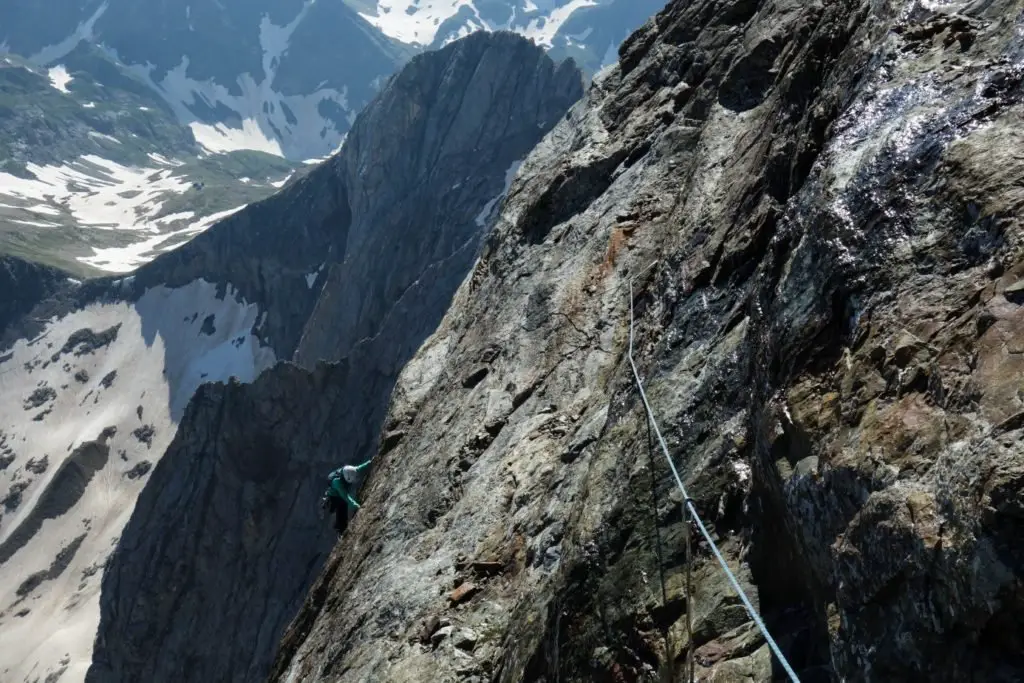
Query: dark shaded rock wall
[
  {"x": 22, "y": 286},
  {"x": 224, "y": 539},
  {"x": 431, "y": 158}
]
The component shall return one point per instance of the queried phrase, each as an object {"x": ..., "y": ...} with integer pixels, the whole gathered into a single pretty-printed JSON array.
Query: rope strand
[{"x": 688, "y": 503}]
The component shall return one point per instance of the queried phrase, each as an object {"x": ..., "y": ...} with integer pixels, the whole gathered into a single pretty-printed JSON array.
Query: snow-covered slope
[
  {"x": 96, "y": 174},
  {"x": 86, "y": 408},
  {"x": 588, "y": 30},
  {"x": 281, "y": 76}
]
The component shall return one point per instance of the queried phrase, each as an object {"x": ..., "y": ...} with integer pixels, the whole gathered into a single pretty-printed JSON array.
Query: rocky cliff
[
  {"x": 378, "y": 237},
  {"x": 428, "y": 163},
  {"x": 225, "y": 539},
  {"x": 22, "y": 286},
  {"x": 830, "y": 336}
]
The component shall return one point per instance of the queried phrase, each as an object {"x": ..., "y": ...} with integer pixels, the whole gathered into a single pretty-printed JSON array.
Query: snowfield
[
  {"x": 86, "y": 410},
  {"x": 98, "y": 194},
  {"x": 127, "y": 259},
  {"x": 417, "y": 21}
]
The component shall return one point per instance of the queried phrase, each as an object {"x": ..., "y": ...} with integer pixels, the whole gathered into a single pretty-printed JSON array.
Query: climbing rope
[{"x": 691, "y": 509}]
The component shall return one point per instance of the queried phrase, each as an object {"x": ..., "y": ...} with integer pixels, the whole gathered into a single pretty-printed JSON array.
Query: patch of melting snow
[
  {"x": 280, "y": 183},
  {"x": 417, "y": 21},
  {"x": 411, "y": 21},
  {"x": 34, "y": 224},
  {"x": 128, "y": 258},
  {"x": 98, "y": 192},
  {"x": 160, "y": 354},
  {"x": 45, "y": 210},
  {"x": 543, "y": 31},
  {"x": 263, "y": 128},
  {"x": 59, "y": 78},
  {"x": 102, "y": 136},
  {"x": 164, "y": 161},
  {"x": 484, "y": 216},
  {"x": 220, "y": 138}
]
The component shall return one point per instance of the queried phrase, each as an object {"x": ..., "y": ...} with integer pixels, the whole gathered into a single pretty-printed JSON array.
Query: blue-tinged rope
[{"x": 688, "y": 503}]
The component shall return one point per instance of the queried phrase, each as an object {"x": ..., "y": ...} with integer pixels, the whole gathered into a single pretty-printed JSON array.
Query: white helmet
[{"x": 349, "y": 473}]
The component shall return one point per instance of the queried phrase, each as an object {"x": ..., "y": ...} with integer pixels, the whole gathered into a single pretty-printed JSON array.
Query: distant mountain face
[
  {"x": 590, "y": 31},
  {"x": 283, "y": 76},
  {"x": 127, "y": 127},
  {"x": 97, "y": 174},
  {"x": 287, "y": 77}
]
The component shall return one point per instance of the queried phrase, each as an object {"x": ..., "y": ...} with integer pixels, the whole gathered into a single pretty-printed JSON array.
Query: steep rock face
[
  {"x": 24, "y": 285},
  {"x": 227, "y": 523},
  {"x": 422, "y": 200},
  {"x": 821, "y": 205},
  {"x": 224, "y": 540}
]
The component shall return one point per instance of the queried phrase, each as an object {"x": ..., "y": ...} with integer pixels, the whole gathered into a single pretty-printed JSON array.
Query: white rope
[{"x": 687, "y": 502}]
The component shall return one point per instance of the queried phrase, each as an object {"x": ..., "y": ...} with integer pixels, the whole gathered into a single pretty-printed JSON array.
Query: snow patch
[
  {"x": 59, "y": 78},
  {"x": 98, "y": 192},
  {"x": 164, "y": 161},
  {"x": 128, "y": 258},
  {"x": 264, "y": 128},
  {"x": 220, "y": 138},
  {"x": 280, "y": 183},
  {"x": 101, "y": 194},
  {"x": 161, "y": 353},
  {"x": 485, "y": 215},
  {"x": 45, "y": 210},
  {"x": 417, "y": 21},
  {"x": 33, "y": 224},
  {"x": 83, "y": 32},
  {"x": 542, "y": 31},
  {"x": 413, "y": 21},
  {"x": 102, "y": 136}
]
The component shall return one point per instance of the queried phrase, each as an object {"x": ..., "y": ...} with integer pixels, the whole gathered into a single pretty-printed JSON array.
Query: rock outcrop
[
  {"x": 225, "y": 539},
  {"x": 820, "y": 204},
  {"x": 427, "y": 164},
  {"x": 22, "y": 286}
]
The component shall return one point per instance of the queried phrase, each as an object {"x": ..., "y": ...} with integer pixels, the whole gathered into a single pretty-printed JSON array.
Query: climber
[{"x": 338, "y": 497}]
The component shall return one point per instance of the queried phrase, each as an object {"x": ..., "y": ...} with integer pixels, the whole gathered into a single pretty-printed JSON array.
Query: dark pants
[{"x": 340, "y": 509}]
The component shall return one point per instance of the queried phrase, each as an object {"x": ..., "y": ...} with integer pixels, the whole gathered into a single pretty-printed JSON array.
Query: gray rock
[
  {"x": 812, "y": 181},
  {"x": 440, "y": 634},
  {"x": 24, "y": 285},
  {"x": 465, "y": 639},
  {"x": 225, "y": 539}
]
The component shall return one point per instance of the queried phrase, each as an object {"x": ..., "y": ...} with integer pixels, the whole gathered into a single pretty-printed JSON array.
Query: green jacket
[
  {"x": 339, "y": 490},
  {"x": 339, "y": 487}
]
